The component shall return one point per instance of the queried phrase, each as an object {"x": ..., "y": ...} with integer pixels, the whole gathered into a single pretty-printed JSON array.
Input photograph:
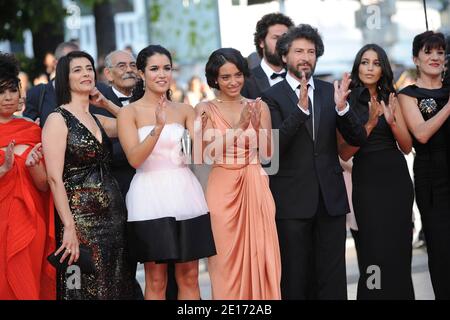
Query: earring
[{"x": 143, "y": 84}]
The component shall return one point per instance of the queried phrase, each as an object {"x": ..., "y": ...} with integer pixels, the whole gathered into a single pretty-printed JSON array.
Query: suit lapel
[
  {"x": 261, "y": 79},
  {"x": 114, "y": 98},
  {"x": 317, "y": 108},
  {"x": 293, "y": 97}
]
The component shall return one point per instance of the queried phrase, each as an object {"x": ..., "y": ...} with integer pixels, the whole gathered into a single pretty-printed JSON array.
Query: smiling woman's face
[
  {"x": 158, "y": 73},
  {"x": 9, "y": 100},
  {"x": 82, "y": 75}
]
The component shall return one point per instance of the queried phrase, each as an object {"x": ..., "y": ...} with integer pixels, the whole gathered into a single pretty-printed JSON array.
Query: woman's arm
[
  {"x": 54, "y": 135},
  {"x": 394, "y": 117},
  {"x": 216, "y": 144},
  {"x": 136, "y": 151},
  {"x": 36, "y": 167},
  {"x": 8, "y": 163},
  {"x": 109, "y": 124},
  {"x": 264, "y": 130},
  {"x": 421, "y": 129},
  {"x": 345, "y": 150},
  {"x": 98, "y": 99}
]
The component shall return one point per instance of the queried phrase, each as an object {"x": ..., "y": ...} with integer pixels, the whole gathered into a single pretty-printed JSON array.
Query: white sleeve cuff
[
  {"x": 343, "y": 112},
  {"x": 303, "y": 110}
]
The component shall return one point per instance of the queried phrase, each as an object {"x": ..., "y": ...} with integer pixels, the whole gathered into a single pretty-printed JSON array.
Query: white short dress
[{"x": 168, "y": 218}]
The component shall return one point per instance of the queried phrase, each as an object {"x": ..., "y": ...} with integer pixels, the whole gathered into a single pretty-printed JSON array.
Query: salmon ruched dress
[{"x": 247, "y": 265}]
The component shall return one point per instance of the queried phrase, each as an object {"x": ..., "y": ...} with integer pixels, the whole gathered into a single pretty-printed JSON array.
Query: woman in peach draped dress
[{"x": 247, "y": 265}]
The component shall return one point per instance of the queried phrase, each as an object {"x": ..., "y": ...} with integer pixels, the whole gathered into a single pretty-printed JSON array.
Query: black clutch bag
[{"x": 85, "y": 261}]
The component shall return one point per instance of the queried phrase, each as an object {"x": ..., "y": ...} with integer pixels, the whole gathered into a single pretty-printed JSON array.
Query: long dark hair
[
  {"x": 386, "y": 83},
  {"x": 62, "y": 83},
  {"x": 141, "y": 63}
]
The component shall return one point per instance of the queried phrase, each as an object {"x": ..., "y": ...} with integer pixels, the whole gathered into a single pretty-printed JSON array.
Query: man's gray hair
[
  {"x": 108, "y": 58},
  {"x": 59, "y": 51}
]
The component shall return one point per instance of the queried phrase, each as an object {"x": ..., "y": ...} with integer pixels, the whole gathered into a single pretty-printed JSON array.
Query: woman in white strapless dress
[{"x": 168, "y": 219}]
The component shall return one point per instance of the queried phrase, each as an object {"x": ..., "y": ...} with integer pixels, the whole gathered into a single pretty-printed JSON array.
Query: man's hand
[
  {"x": 341, "y": 91},
  {"x": 303, "y": 97}
]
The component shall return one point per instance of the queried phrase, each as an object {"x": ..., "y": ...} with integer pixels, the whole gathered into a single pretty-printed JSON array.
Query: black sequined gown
[{"x": 99, "y": 212}]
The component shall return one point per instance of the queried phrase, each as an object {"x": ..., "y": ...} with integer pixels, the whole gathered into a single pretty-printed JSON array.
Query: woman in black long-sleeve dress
[
  {"x": 426, "y": 108},
  {"x": 382, "y": 188}
]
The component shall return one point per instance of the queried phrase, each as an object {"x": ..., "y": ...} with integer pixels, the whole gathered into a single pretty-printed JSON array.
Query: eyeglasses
[{"x": 122, "y": 66}]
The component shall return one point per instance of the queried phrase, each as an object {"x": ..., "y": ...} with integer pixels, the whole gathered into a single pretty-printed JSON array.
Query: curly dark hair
[
  {"x": 218, "y": 58},
  {"x": 141, "y": 63},
  {"x": 302, "y": 31},
  {"x": 428, "y": 40},
  {"x": 9, "y": 72},
  {"x": 385, "y": 85},
  {"x": 263, "y": 25}
]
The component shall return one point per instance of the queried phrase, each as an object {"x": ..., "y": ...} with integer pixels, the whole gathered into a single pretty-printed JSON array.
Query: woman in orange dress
[
  {"x": 247, "y": 265},
  {"x": 26, "y": 209}
]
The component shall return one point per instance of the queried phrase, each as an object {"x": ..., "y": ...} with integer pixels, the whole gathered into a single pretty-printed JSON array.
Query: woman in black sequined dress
[
  {"x": 426, "y": 108},
  {"x": 87, "y": 197}
]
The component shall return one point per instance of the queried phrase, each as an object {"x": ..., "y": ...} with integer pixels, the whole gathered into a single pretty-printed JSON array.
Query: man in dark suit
[
  {"x": 309, "y": 190},
  {"x": 271, "y": 69},
  {"x": 121, "y": 73},
  {"x": 41, "y": 99}
]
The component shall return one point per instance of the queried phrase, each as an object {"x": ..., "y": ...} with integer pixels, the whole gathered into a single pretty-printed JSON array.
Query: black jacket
[
  {"x": 255, "y": 84},
  {"x": 307, "y": 167}
]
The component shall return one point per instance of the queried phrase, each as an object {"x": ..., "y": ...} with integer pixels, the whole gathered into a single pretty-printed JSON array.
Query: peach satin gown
[{"x": 247, "y": 265}]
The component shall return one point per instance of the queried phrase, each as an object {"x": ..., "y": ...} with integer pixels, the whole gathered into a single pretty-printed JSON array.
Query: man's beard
[
  {"x": 272, "y": 57},
  {"x": 298, "y": 73}
]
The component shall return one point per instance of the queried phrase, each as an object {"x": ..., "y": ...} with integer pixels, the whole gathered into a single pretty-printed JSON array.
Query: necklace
[{"x": 241, "y": 100}]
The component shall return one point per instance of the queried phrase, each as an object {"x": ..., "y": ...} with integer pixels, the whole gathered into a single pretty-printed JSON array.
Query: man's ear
[
  {"x": 284, "y": 59},
  {"x": 108, "y": 75},
  {"x": 141, "y": 75},
  {"x": 261, "y": 44}
]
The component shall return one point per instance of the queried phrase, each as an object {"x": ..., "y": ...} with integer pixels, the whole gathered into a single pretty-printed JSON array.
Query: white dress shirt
[
  {"x": 121, "y": 95},
  {"x": 294, "y": 83},
  {"x": 269, "y": 71}
]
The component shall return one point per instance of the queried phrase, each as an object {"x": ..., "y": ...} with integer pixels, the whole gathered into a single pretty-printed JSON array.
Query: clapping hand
[
  {"x": 389, "y": 110},
  {"x": 374, "y": 112},
  {"x": 341, "y": 91},
  {"x": 303, "y": 97},
  {"x": 246, "y": 115},
  {"x": 160, "y": 112},
  {"x": 35, "y": 156},
  {"x": 255, "y": 117},
  {"x": 9, "y": 159}
]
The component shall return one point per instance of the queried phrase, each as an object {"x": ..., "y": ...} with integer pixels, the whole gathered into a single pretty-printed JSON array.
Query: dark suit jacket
[
  {"x": 307, "y": 167},
  {"x": 49, "y": 102},
  {"x": 255, "y": 84},
  {"x": 121, "y": 169}
]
